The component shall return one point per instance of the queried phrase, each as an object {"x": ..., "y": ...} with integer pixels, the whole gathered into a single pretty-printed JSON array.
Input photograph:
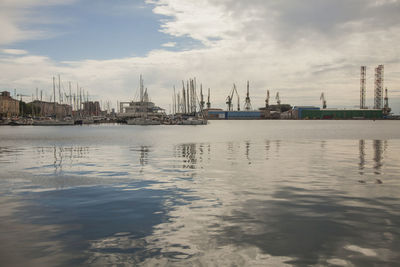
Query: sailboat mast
[
  {"x": 141, "y": 88},
  {"x": 70, "y": 95},
  {"x": 174, "y": 103},
  {"x": 54, "y": 93},
  {"x": 59, "y": 89},
  {"x": 188, "y": 97},
  {"x": 183, "y": 97}
]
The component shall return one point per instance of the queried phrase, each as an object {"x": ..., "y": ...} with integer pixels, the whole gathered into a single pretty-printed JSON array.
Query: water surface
[{"x": 268, "y": 193}]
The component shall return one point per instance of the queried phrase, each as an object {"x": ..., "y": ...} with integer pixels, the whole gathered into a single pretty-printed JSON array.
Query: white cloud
[
  {"x": 17, "y": 17},
  {"x": 14, "y": 51},
  {"x": 277, "y": 45},
  {"x": 169, "y": 44}
]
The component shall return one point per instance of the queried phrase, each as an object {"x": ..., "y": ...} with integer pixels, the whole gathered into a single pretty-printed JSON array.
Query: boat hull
[
  {"x": 53, "y": 123},
  {"x": 143, "y": 122}
]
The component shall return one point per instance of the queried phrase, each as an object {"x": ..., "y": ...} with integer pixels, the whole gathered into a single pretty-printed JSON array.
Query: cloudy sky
[{"x": 297, "y": 47}]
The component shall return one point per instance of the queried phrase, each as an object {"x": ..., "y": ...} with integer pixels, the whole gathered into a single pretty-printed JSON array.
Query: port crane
[
  {"x": 208, "y": 99},
  {"x": 323, "y": 100},
  {"x": 267, "y": 100},
  {"x": 247, "y": 103},
  {"x": 229, "y": 99},
  {"x": 277, "y": 98},
  {"x": 278, "y": 101},
  {"x": 202, "y": 102}
]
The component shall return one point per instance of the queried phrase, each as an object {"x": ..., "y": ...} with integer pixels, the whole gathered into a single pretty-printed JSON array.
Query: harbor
[
  {"x": 199, "y": 133},
  {"x": 189, "y": 107}
]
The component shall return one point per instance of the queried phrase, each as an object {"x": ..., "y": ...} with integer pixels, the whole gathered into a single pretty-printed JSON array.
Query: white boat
[
  {"x": 52, "y": 122},
  {"x": 194, "y": 121},
  {"x": 88, "y": 120}
]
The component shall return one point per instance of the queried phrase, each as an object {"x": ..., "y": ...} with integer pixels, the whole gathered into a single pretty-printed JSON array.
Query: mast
[
  {"x": 183, "y": 97},
  {"x": 188, "y": 97},
  {"x": 174, "y": 102},
  {"x": 70, "y": 95},
  {"x": 54, "y": 92},
  {"x": 178, "y": 99},
  {"x": 77, "y": 98},
  {"x": 59, "y": 89},
  {"x": 83, "y": 103},
  {"x": 141, "y": 88},
  {"x": 194, "y": 95}
]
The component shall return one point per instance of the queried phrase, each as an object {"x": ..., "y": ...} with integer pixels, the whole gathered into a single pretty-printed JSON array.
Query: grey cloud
[{"x": 298, "y": 19}]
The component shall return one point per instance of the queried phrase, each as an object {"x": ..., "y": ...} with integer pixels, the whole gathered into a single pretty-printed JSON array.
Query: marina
[{"x": 188, "y": 107}]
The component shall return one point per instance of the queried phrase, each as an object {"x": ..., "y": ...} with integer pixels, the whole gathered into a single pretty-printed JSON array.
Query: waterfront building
[
  {"x": 46, "y": 109},
  {"x": 91, "y": 108},
  {"x": 8, "y": 106},
  {"x": 143, "y": 108}
]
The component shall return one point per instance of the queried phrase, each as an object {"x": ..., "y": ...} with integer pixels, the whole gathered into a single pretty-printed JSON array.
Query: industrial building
[{"x": 317, "y": 113}]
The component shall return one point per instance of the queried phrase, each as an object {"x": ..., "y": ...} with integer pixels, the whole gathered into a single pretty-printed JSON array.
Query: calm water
[{"x": 244, "y": 193}]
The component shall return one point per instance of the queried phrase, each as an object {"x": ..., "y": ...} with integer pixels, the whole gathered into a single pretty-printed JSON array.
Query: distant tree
[{"x": 28, "y": 109}]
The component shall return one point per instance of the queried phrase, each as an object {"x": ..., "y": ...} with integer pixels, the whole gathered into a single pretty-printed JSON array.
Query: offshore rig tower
[
  {"x": 378, "y": 87},
  {"x": 363, "y": 86}
]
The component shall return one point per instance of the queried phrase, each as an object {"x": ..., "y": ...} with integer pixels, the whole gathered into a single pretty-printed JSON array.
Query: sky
[{"x": 299, "y": 48}]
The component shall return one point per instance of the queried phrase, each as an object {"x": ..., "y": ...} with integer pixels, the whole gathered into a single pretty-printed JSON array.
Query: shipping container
[{"x": 234, "y": 115}]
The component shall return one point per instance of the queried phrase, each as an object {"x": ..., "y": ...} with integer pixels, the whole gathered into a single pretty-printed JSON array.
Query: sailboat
[{"x": 54, "y": 121}]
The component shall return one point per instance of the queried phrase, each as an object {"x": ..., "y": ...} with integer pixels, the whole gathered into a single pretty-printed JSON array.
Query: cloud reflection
[{"x": 298, "y": 203}]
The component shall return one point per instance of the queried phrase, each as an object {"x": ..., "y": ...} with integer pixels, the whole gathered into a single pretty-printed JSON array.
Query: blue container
[{"x": 243, "y": 114}]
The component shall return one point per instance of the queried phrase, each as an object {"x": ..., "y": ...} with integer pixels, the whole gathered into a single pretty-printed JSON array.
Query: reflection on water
[
  {"x": 188, "y": 154},
  {"x": 266, "y": 202},
  {"x": 362, "y": 156},
  {"x": 314, "y": 227},
  {"x": 378, "y": 151}
]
